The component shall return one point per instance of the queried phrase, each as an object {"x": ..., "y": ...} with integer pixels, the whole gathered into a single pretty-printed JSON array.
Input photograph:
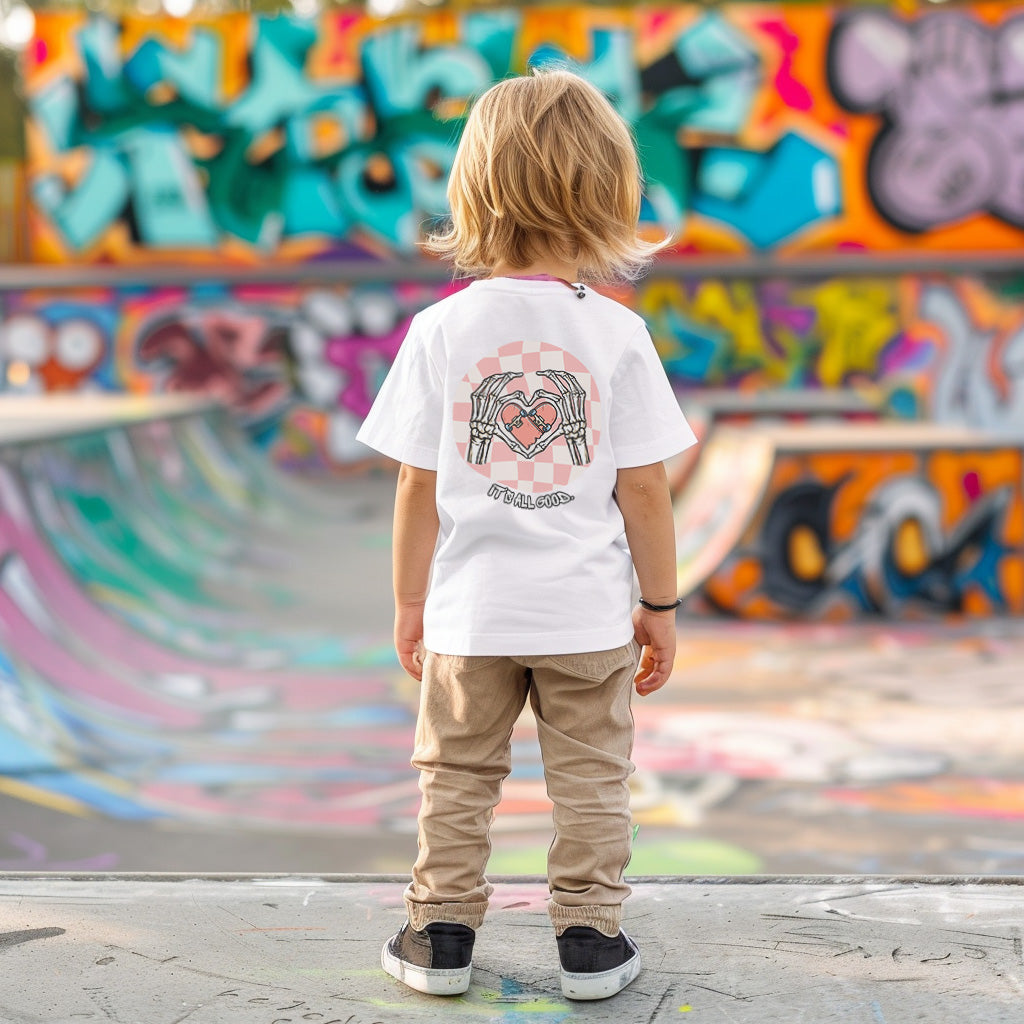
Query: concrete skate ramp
[
  {"x": 179, "y": 633},
  {"x": 840, "y": 521},
  {"x": 196, "y": 673},
  {"x": 289, "y": 949}
]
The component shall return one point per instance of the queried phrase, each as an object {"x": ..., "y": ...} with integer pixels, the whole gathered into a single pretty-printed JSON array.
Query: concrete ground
[{"x": 289, "y": 949}]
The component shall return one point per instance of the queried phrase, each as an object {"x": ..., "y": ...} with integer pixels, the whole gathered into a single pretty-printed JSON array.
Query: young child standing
[{"x": 531, "y": 416}]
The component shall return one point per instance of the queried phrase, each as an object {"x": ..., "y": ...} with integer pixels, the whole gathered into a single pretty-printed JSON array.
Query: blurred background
[{"x": 209, "y": 215}]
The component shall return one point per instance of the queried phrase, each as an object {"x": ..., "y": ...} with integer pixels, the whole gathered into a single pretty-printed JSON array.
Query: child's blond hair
[{"x": 545, "y": 169}]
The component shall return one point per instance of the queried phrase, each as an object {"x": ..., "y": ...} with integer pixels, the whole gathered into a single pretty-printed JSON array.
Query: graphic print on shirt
[{"x": 528, "y": 418}]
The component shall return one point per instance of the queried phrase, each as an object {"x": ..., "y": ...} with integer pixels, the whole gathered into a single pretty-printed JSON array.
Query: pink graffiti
[
  {"x": 322, "y": 803},
  {"x": 906, "y": 352},
  {"x": 972, "y": 485},
  {"x": 231, "y": 355},
  {"x": 352, "y": 355},
  {"x": 37, "y": 858},
  {"x": 792, "y": 92}
]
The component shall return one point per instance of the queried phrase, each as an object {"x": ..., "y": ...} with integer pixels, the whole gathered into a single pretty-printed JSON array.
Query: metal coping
[
  {"x": 883, "y": 436},
  {"x": 822, "y": 265},
  {"x": 390, "y": 879},
  {"x": 22, "y": 434}
]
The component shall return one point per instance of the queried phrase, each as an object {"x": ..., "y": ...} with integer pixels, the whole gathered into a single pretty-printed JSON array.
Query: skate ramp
[
  {"x": 196, "y": 672},
  {"x": 180, "y": 633},
  {"x": 710, "y": 408}
]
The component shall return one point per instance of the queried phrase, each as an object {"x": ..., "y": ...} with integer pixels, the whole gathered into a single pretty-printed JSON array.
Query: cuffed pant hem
[
  {"x": 422, "y": 914},
  {"x": 605, "y": 919}
]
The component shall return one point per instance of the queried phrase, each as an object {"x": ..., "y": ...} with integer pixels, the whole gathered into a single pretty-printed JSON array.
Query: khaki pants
[{"x": 468, "y": 706}]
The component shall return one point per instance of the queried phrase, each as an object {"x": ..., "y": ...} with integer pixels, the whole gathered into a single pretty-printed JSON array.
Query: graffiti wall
[
  {"x": 949, "y": 349},
  {"x": 897, "y": 530},
  {"x": 762, "y": 128},
  {"x": 781, "y": 129},
  {"x": 301, "y": 364}
]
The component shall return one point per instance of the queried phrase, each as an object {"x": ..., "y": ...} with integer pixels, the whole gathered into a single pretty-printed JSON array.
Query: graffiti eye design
[
  {"x": 79, "y": 344},
  {"x": 797, "y": 544},
  {"x": 807, "y": 558},
  {"x": 910, "y": 548},
  {"x": 26, "y": 339},
  {"x": 379, "y": 174}
]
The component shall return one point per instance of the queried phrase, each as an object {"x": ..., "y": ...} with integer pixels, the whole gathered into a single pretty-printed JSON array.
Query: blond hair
[{"x": 545, "y": 169}]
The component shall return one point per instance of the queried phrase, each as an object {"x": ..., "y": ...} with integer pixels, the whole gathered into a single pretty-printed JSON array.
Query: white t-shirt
[{"x": 526, "y": 400}]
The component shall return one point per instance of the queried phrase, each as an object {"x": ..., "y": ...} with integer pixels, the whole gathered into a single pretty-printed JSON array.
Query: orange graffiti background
[{"x": 791, "y": 41}]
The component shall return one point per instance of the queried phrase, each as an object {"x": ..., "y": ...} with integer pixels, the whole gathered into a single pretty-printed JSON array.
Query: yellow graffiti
[
  {"x": 43, "y": 797},
  {"x": 733, "y": 308},
  {"x": 806, "y": 557},
  {"x": 856, "y": 321},
  {"x": 725, "y": 318},
  {"x": 911, "y": 549}
]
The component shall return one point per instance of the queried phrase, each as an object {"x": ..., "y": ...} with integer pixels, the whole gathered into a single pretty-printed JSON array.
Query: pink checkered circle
[{"x": 525, "y": 401}]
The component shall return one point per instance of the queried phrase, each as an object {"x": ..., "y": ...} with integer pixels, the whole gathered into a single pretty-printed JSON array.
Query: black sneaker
[
  {"x": 595, "y": 966},
  {"x": 437, "y": 960}
]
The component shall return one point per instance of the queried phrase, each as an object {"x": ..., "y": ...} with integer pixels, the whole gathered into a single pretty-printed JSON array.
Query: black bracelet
[{"x": 661, "y": 607}]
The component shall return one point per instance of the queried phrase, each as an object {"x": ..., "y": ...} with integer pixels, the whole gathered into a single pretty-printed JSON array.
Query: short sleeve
[
  {"x": 405, "y": 420},
  {"x": 646, "y": 423}
]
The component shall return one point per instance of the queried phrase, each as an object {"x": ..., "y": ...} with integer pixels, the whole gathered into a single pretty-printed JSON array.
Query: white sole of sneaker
[
  {"x": 430, "y": 982},
  {"x": 603, "y": 985}
]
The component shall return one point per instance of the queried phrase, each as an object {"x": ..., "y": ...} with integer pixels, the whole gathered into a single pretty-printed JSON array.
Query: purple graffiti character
[{"x": 951, "y": 93}]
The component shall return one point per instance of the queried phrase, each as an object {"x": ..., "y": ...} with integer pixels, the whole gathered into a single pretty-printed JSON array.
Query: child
[{"x": 531, "y": 416}]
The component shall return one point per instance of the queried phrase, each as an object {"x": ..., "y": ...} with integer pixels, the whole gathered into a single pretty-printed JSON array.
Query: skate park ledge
[{"x": 278, "y": 949}]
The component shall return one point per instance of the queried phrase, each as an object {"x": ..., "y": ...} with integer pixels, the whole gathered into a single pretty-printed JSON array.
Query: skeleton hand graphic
[
  {"x": 572, "y": 406},
  {"x": 486, "y": 399}
]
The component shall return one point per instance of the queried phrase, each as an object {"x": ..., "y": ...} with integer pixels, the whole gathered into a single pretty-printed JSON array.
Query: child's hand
[
  {"x": 409, "y": 638},
  {"x": 656, "y": 631}
]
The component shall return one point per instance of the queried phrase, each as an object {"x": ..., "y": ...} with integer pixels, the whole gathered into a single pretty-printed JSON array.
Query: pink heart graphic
[{"x": 529, "y": 423}]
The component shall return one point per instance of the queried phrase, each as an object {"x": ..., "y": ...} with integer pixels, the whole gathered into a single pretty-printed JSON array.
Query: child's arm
[
  {"x": 646, "y": 504},
  {"x": 415, "y": 536}
]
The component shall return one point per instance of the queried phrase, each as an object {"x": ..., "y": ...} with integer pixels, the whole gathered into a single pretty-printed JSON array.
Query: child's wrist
[{"x": 660, "y": 606}]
